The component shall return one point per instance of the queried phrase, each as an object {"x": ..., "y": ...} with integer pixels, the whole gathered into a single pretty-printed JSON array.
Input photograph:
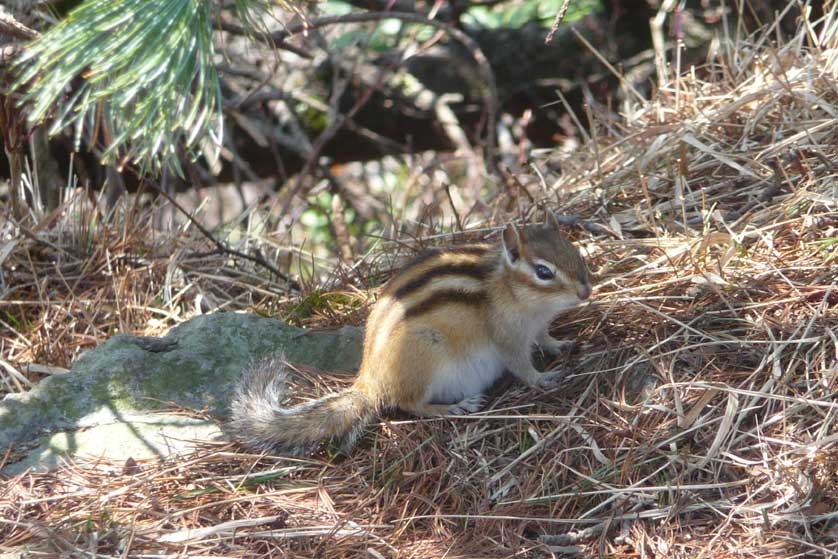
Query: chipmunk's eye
[{"x": 543, "y": 272}]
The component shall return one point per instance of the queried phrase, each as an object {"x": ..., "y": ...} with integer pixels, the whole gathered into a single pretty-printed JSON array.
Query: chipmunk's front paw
[
  {"x": 468, "y": 405},
  {"x": 554, "y": 346},
  {"x": 550, "y": 379}
]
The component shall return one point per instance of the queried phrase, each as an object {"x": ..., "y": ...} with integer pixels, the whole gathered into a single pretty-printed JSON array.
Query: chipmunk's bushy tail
[{"x": 260, "y": 422}]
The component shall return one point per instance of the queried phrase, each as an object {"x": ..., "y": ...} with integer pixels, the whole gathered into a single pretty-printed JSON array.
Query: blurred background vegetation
[
  {"x": 323, "y": 108},
  {"x": 298, "y": 136}
]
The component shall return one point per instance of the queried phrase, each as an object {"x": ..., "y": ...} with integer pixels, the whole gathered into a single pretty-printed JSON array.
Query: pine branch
[{"x": 147, "y": 75}]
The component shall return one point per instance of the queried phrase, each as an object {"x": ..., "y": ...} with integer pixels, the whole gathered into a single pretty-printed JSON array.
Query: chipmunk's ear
[
  {"x": 550, "y": 220},
  {"x": 511, "y": 243}
]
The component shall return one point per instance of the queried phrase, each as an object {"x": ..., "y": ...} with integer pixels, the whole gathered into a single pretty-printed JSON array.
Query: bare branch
[
  {"x": 557, "y": 22},
  {"x": 11, "y": 26},
  {"x": 491, "y": 102},
  {"x": 221, "y": 247}
]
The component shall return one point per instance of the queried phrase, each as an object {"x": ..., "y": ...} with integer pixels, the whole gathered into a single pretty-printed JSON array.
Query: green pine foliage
[{"x": 138, "y": 73}]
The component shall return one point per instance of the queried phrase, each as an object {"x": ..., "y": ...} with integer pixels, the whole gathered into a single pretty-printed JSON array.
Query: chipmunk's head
[{"x": 544, "y": 265}]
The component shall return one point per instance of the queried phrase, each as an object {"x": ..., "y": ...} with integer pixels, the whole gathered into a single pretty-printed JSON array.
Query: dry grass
[
  {"x": 73, "y": 278},
  {"x": 700, "y": 419}
]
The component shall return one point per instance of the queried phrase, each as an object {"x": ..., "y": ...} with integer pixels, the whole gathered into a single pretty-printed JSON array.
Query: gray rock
[{"x": 105, "y": 406}]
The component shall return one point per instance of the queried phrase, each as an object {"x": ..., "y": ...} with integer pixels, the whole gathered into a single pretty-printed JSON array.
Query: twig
[
  {"x": 590, "y": 226},
  {"x": 512, "y": 179},
  {"x": 453, "y": 207},
  {"x": 229, "y": 527},
  {"x": 490, "y": 95},
  {"x": 321, "y": 142},
  {"x": 604, "y": 61},
  {"x": 765, "y": 196},
  {"x": 258, "y": 259},
  {"x": 239, "y": 30},
  {"x": 11, "y": 26},
  {"x": 557, "y": 22}
]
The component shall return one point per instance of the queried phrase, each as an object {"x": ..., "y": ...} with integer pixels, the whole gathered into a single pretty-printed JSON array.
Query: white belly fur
[{"x": 468, "y": 376}]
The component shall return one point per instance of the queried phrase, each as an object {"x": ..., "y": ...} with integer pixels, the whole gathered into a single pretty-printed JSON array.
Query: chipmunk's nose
[{"x": 584, "y": 292}]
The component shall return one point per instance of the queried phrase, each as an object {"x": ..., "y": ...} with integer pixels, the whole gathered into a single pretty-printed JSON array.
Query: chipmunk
[{"x": 443, "y": 330}]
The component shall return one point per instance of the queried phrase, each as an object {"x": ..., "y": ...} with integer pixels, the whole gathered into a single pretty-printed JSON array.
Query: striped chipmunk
[{"x": 443, "y": 330}]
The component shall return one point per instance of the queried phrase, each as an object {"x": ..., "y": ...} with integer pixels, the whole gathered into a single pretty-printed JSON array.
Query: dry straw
[{"x": 700, "y": 416}]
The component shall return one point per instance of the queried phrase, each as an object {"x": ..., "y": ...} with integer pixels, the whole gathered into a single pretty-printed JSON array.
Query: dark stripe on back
[
  {"x": 429, "y": 253},
  {"x": 476, "y": 270},
  {"x": 446, "y": 297}
]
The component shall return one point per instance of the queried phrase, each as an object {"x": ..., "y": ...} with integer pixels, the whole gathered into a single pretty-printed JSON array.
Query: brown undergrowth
[{"x": 699, "y": 419}]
